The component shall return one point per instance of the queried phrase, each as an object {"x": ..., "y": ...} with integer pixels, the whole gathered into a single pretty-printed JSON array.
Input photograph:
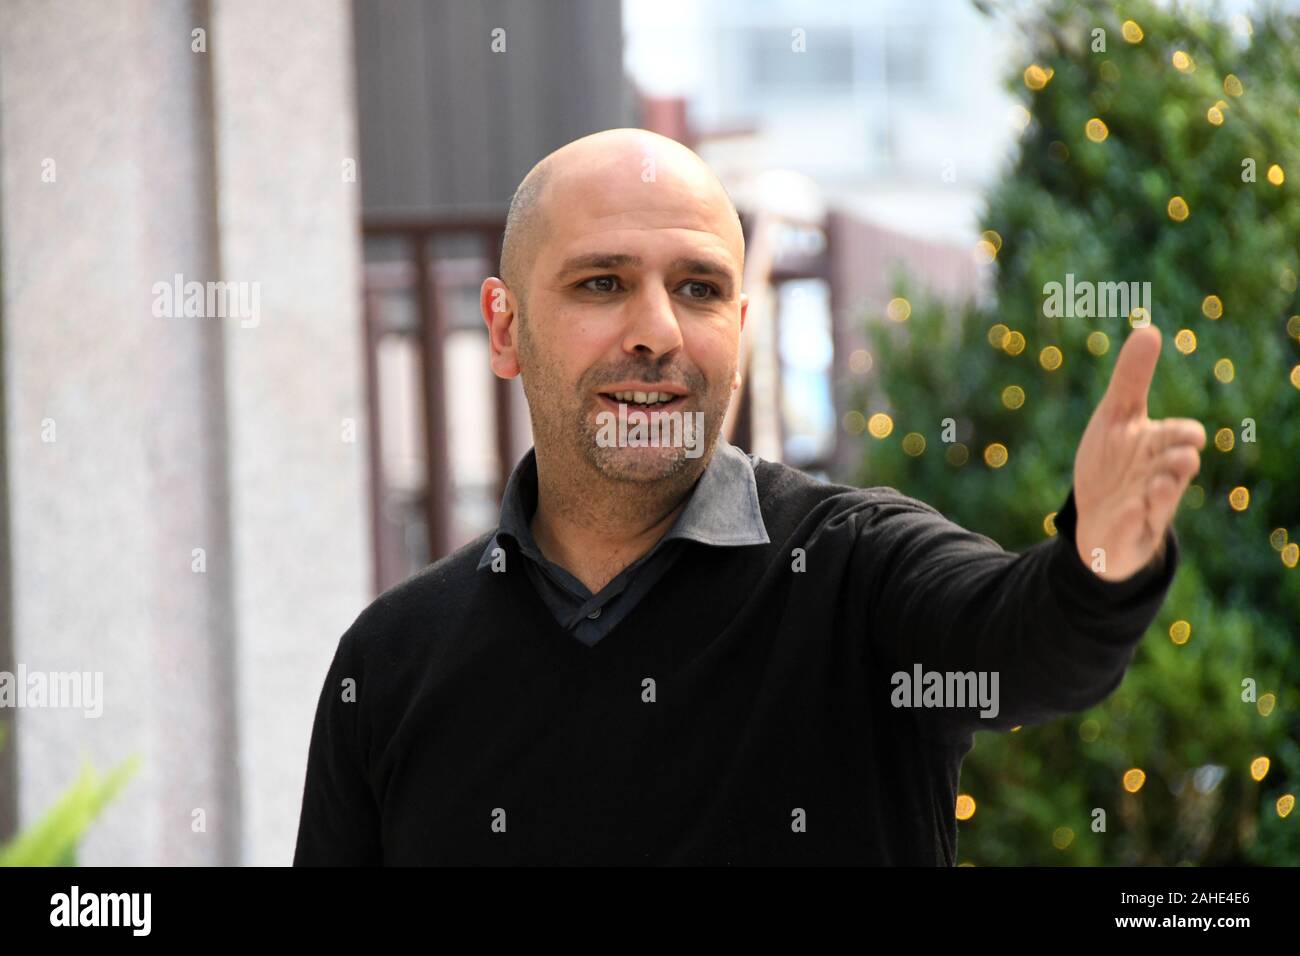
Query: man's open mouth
[{"x": 648, "y": 401}]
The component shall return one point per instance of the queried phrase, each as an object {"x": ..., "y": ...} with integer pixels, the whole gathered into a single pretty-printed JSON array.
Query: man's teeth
[{"x": 644, "y": 398}]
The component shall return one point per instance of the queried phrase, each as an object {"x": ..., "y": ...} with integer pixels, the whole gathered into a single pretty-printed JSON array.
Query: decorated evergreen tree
[{"x": 1160, "y": 146}]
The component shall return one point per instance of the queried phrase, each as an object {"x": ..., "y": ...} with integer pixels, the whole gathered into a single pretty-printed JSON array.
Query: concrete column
[
  {"x": 288, "y": 205},
  {"x": 185, "y": 516}
]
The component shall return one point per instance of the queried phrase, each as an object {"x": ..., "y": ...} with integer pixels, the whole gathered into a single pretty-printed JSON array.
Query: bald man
[{"x": 673, "y": 652}]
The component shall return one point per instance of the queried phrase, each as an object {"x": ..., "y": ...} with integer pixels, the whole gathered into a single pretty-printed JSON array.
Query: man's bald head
[
  {"x": 525, "y": 227},
  {"x": 526, "y": 221}
]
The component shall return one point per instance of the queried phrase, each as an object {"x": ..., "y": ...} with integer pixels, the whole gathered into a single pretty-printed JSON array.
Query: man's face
[{"x": 636, "y": 289}]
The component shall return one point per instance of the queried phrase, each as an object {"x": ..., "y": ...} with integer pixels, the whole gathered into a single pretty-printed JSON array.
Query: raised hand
[{"x": 1130, "y": 471}]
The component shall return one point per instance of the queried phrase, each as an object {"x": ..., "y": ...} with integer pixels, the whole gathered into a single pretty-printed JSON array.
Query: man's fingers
[
  {"x": 1164, "y": 491},
  {"x": 1131, "y": 378},
  {"x": 1180, "y": 462},
  {"x": 1174, "y": 468},
  {"x": 1171, "y": 432}
]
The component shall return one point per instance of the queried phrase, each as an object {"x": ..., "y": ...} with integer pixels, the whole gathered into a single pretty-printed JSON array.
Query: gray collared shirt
[{"x": 722, "y": 511}]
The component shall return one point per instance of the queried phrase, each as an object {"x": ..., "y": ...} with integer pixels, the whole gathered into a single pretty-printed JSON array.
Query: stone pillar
[
  {"x": 185, "y": 515},
  {"x": 288, "y": 200}
]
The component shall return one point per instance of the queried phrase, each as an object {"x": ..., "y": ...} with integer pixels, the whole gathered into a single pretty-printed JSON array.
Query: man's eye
[
  {"x": 611, "y": 279},
  {"x": 708, "y": 288}
]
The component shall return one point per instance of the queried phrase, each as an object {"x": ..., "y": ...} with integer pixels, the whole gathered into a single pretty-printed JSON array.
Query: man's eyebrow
[
  {"x": 596, "y": 260},
  {"x": 614, "y": 260}
]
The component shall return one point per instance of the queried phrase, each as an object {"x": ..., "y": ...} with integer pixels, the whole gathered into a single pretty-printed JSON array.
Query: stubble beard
[
  {"x": 577, "y": 430},
  {"x": 671, "y": 463}
]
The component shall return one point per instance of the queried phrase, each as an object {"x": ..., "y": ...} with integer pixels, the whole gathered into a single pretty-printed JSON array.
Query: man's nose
[{"x": 652, "y": 324}]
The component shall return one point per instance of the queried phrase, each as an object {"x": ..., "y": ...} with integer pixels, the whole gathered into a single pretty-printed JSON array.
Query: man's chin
[{"x": 641, "y": 464}]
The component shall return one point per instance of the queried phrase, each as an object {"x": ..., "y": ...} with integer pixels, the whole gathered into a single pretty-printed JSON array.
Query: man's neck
[{"x": 594, "y": 529}]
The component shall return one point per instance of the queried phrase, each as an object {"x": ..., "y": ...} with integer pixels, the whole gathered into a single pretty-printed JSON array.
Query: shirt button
[{"x": 593, "y": 615}]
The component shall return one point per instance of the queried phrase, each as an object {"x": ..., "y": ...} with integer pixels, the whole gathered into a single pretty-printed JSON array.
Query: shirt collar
[{"x": 722, "y": 511}]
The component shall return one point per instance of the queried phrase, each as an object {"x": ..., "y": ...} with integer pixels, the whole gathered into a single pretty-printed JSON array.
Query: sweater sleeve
[
  {"x": 339, "y": 824},
  {"x": 1057, "y": 636}
]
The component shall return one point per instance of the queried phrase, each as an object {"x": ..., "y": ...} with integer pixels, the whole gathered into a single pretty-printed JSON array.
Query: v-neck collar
[{"x": 722, "y": 510}]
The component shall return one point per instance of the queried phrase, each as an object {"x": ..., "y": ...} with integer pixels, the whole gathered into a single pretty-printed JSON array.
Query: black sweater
[{"x": 744, "y": 713}]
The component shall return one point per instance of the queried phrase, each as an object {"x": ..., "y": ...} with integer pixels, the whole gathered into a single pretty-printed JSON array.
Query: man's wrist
[
  {"x": 1158, "y": 568},
  {"x": 1153, "y": 564}
]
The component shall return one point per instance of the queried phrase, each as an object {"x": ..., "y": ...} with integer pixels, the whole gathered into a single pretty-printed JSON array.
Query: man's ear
[
  {"x": 744, "y": 310},
  {"x": 497, "y": 304}
]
